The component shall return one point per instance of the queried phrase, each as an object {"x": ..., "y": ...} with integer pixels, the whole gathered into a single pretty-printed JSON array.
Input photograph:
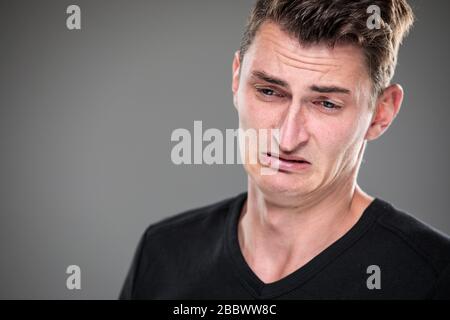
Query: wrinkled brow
[{"x": 261, "y": 75}]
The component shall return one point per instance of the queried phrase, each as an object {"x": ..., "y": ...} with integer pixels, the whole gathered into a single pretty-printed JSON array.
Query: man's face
[{"x": 319, "y": 102}]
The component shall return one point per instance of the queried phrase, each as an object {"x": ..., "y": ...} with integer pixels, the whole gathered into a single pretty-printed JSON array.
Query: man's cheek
[{"x": 250, "y": 117}]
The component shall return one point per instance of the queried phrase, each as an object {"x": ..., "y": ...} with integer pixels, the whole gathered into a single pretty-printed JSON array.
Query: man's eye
[
  {"x": 268, "y": 92},
  {"x": 328, "y": 104}
]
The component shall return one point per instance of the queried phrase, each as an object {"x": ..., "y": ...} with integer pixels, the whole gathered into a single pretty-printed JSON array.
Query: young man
[{"x": 318, "y": 71}]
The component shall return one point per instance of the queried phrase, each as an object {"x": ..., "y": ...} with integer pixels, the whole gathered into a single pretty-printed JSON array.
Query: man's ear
[
  {"x": 235, "y": 79},
  {"x": 387, "y": 107}
]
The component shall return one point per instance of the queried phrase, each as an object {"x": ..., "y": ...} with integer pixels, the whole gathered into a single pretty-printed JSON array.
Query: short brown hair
[{"x": 339, "y": 21}]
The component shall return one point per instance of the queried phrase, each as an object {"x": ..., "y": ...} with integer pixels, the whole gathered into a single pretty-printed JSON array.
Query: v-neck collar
[{"x": 261, "y": 290}]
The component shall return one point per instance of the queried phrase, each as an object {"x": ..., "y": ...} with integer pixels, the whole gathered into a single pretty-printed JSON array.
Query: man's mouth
[
  {"x": 285, "y": 163},
  {"x": 286, "y": 158}
]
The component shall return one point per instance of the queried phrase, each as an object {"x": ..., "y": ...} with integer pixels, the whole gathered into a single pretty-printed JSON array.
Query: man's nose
[{"x": 293, "y": 131}]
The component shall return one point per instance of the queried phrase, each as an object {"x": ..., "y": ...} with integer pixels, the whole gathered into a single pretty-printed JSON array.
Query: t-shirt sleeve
[
  {"x": 127, "y": 292},
  {"x": 442, "y": 289}
]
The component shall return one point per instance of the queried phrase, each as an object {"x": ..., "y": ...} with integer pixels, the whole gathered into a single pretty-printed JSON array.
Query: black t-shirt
[{"x": 387, "y": 254}]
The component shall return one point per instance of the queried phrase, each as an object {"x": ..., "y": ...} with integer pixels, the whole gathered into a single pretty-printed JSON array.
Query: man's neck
[{"x": 277, "y": 239}]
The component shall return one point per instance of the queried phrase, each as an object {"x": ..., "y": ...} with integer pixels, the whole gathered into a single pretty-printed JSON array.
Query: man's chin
[{"x": 278, "y": 181}]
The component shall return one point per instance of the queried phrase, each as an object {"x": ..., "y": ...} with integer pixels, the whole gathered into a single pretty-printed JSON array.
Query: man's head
[
  {"x": 337, "y": 22},
  {"x": 316, "y": 71}
]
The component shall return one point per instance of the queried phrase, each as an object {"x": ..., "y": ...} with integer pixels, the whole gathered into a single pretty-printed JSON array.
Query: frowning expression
[{"x": 319, "y": 97}]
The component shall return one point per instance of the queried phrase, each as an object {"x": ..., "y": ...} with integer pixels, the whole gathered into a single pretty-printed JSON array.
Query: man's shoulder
[
  {"x": 194, "y": 220},
  {"x": 430, "y": 243}
]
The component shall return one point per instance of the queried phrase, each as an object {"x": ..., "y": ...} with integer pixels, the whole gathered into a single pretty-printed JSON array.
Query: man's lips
[
  {"x": 284, "y": 163},
  {"x": 287, "y": 158}
]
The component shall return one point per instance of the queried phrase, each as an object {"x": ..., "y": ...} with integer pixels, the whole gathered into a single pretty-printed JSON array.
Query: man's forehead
[{"x": 274, "y": 48}]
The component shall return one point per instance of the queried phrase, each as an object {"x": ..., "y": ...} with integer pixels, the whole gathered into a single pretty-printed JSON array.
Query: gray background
[{"x": 86, "y": 118}]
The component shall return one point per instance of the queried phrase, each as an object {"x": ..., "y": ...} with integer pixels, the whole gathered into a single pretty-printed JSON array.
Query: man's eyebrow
[
  {"x": 277, "y": 81},
  {"x": 329, "y": 89},
  {"x": 270, "y": 79}
]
